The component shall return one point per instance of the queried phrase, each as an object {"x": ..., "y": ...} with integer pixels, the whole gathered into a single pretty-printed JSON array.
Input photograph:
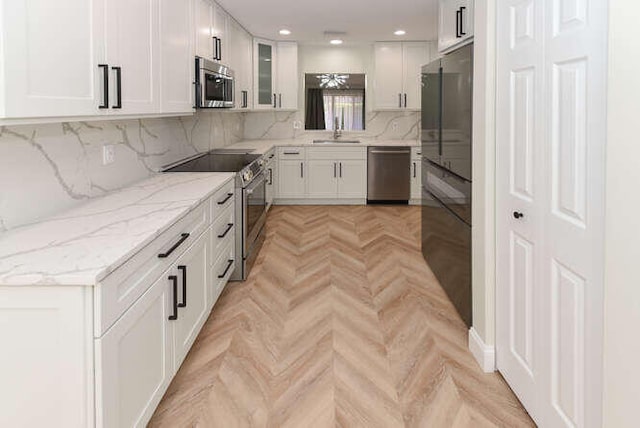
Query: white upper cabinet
[
  {"x": 275, "y": 68},
  {"x": 287, "y": 76},
  {"x": 203, "y": 14},
  {"x": 176, "y": 39},
  {"x": 133, "y": 55},
  {"x": 455, "y": 24},
  {"x": 220, "y": 34},
  {"x": 397, "y": 74},
  {"x": 49, "y": 58},
  {"x": 240, "y": 59}
]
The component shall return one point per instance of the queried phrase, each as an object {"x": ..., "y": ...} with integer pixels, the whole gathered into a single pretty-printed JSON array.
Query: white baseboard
[
  {"x": 484, "y": 354},
  {"x": 280, "y": 201}
]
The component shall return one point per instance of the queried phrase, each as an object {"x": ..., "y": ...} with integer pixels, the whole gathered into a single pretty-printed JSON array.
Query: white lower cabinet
[
  {"x": 292, "y": 179},
  {"x": 323, "y": 179},
  {"x": 134, "y": 363},
  {"x": 416, "y": 174},
  {"x": 272, "y": 180},
  {"x": 191, "y": 275},
  {"x": 352, "y": 179}
]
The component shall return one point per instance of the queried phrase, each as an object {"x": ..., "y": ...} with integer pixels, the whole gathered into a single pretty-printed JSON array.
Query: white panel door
[
  {"x": 414, "y": 56},
  {"x": 388, "y": 88},
  {"x": 50, "y": 57},
  {"x": 132, "y": 44},
  {"x": 518, "y": 261},
  {"x": 550, "y": 168},
  {"x": 574, "y": 155},
  {"x": 352, "y": 179},
  {"x": 192, "y": 272},
  {"x": 291, "y": 179},
  {"x": 176, "y": 39},
  {"x": 287, "y": 75},
  {"x": 322, "y": 179},
  {"x": 133, "y": 360},
  {"x": 203, "y": 14}
]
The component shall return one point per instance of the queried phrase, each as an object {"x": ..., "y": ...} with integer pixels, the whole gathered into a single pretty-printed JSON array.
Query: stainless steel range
[{"x": 251, "y": 207}]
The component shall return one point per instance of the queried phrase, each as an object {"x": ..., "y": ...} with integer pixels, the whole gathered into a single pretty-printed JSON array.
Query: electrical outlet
[
  {"x": 108, "y": 154},
  {"x": 394, "y": 125},
  {"x": 297, "y": 124}
]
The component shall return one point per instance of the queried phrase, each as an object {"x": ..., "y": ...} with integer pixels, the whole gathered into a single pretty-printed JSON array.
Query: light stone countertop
[
  {"x": 84, "y": 245},
  {"x": 263, "y": 146}
]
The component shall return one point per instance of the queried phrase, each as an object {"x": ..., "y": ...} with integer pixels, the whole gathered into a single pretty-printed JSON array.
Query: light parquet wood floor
[{"x": 341, "y": 323}]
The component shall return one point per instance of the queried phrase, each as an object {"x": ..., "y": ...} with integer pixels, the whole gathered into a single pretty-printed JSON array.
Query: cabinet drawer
[
  {"x": 291, "y": 153},
  {"x": 333, "y": 153},
  {"x": 118, "y": 291},
  {"x": 223, "y": 230},
  {"x": 221, "y": 272},
  {"x": 223, "y": 199}
]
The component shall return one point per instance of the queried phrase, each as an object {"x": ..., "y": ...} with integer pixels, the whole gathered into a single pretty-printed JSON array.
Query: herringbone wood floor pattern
[{"x": 341, "y": 323}]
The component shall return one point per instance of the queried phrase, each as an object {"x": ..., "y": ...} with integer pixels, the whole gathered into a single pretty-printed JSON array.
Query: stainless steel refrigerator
[{"x": 446, "y": 174}]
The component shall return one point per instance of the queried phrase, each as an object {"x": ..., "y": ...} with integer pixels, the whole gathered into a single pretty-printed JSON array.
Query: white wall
[
  {"x": 484, "y": 155},
  {"x": 622, "y": 248}
]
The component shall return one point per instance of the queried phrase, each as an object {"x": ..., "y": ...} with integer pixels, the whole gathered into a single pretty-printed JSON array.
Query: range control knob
[
  {"x": 247, "y": 176},
  {"x": 261, "y": 162}
]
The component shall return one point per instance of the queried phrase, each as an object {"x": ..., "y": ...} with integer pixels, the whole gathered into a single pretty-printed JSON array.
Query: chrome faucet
[{"x": 337, "y": 133}]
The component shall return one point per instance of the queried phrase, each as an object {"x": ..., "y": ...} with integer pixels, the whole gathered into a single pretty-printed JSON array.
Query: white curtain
[{"x": 347, "y": 106}]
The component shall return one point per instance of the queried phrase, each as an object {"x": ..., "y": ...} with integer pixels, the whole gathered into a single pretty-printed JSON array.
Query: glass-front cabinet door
[{"x": 264, "y": 81}]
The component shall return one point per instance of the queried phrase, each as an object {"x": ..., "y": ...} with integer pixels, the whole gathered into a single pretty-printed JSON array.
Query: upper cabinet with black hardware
[
  {"x": 212, "y": 31},
  {"x": 96, "y": 58},
  {"x": 397, "y": 74},
  {"x": 455, "y": 24},
  {"x": 275, "y": 71}
]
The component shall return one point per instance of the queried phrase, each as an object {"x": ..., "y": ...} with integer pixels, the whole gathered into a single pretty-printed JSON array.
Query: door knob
[{"x": 517, "y": 215}]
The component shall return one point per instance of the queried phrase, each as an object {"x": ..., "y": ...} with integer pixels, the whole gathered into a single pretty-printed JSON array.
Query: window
[{"x": 347, "y": 106}]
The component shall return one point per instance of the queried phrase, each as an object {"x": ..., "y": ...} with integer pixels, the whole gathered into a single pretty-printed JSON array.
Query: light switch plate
[
  {"x": 297, "y": 124},
  {"x": 108, "y": 154}
]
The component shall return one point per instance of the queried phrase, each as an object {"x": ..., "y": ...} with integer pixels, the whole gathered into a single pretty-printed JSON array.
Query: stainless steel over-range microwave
[{"x": 214, "y": 85}]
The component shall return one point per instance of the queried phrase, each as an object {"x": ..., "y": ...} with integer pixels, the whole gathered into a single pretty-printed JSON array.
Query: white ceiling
[{"x": 361, "y": 20}]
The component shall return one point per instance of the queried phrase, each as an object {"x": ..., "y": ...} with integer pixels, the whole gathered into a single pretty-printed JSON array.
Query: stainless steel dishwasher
[{"x": 389, "y": 174}]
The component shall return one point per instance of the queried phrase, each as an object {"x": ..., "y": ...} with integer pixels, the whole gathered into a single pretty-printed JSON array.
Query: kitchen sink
[{"x": 336, "y": 142}]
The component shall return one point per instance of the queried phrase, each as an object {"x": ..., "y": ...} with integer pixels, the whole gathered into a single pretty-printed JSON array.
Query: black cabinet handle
[
  {"x": 458, "y": 14},
  {"x": 183, "y": 238},
  {"x": 274, "y": 101},
  {"x": 230, "y": 262},
  {"x": 340, "y": 169},
  {"x": 105, "y": 86},
  {"x": 291, "y": 153},
  {"x": 271, "y": 176},
  {"x": 174, "y": 280},
  {"x": 183, "y": 269},
  {"x": 229, "y": 226},
  {"x": 219, "y": 41},
  {"x": 224, "y": 201},
  {"x": 335, "y": 174},
  {"x": 400, "y": 100},
  {"x": 415, "y": 170},
  {"x": 280, "y": 100},
  {"x": 215, "y": 48},
  {"x": 517, "y": 215},
  {"x": 245, "y": 99},
  {"x": 462, "y": 32},
  {"x": 118, "y": 71},
  {"x": 301, "y": 170},
  {"x": 405, "y": 100}
]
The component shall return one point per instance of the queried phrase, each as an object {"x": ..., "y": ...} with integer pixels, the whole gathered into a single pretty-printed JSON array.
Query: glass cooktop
[{"x": 216, "y": 162}]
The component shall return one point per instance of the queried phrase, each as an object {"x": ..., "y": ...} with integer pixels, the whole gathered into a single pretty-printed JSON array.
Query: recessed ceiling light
[
  {"x": 336, "y": 42},
  {"x": 400, "y": 32},
  {"x": 285, "y": 32}
]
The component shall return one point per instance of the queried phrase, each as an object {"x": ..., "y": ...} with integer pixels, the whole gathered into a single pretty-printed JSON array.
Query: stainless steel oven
[
  {"x": 254, "y": 214},
  {"x": 214, "y": 85}
]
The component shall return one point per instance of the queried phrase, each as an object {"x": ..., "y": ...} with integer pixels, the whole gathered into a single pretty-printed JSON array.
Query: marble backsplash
[
  {"x": 47, "y": 168},
  {"x": 271, "y": 125}
]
